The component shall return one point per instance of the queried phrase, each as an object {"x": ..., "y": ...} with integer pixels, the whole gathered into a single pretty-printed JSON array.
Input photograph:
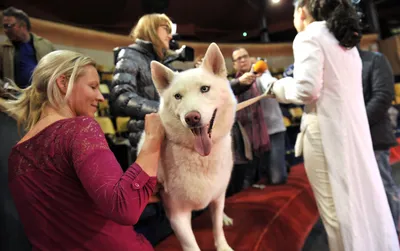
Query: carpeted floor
[{"x": 276, "y": 218}]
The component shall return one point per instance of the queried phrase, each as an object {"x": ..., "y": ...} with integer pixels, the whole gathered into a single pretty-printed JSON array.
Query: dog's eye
[
  {"x": 178, "y": 96},
  {"x": 204, "y": 88}
]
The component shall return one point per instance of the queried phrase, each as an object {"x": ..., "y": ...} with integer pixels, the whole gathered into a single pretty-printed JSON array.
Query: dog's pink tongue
[{"x": 202, "y": 142}]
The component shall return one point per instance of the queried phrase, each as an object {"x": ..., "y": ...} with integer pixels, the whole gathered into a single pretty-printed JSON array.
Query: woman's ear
[{"x": 62, "y": 84}]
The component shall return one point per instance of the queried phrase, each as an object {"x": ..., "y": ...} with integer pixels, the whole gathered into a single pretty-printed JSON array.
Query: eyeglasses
[
  {"x": 9, "y": 26},
  {"x": 241, "y": 57},
  {"x": 167, "y": 28}
]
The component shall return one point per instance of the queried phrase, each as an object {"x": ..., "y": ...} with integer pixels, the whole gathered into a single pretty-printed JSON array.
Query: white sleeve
[
  {"x": 264, "y": 80},
  {"x": 306, "y": 84}
]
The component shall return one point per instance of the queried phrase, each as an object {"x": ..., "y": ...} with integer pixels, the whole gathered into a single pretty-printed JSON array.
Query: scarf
[{"x": 253, "y": 121}]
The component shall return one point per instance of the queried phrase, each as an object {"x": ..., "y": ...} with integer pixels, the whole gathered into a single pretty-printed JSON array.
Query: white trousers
[{"x": 310, "y": 144}]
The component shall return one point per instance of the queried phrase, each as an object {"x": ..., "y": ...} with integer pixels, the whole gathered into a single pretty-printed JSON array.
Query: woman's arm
[
  {"x": 306, "y": 85},
  {"x": 121, "y": 196}
]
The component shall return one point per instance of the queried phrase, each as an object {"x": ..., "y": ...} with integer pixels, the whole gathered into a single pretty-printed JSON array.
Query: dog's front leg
[
  {"x": 181, "y": 222},
  {"x": 217, "y": 216},
  {"x": 182, "y": 226}
]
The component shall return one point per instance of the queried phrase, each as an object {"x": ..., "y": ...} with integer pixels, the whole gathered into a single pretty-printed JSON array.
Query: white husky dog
[{"x": 197, "y": 109}]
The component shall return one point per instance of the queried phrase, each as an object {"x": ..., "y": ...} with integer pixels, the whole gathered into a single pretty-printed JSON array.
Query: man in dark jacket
[{"x": 378, "y": 88}]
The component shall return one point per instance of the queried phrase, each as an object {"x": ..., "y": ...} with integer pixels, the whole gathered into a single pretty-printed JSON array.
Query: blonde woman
[
  {"x": 133, "y": 93},
  {"x": 68, "y": 188},
  {"x": 335, "y": 139}
]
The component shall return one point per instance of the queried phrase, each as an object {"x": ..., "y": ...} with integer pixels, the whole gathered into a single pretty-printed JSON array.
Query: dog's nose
[{"x": 192, "y": 118}]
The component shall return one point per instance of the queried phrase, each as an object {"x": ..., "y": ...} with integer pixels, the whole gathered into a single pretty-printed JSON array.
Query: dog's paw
[
  {"x": 227, "y": 220},
  {"x": 225, "y": 247},
  {"x": 259, "y": 186}
]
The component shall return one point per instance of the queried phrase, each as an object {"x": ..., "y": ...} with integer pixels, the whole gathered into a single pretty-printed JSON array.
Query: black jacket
[
  {"x": 132, "y": 91},
  {"x": 378, "y": 88},
  {"x": 238, "y": 88}
]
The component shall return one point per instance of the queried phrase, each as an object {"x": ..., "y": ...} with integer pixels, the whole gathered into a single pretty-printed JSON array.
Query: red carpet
[
  {"x": 395, "y": 153},
  {"x": 276, "y": 218}
]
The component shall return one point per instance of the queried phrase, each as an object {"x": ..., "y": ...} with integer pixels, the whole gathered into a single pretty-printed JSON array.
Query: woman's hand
[
  {"x": 149, "y": 155},
  {"x": 154, "y": 129},
  {"x": 270, "y": 93},
  {"x": 154, "y": 132}
]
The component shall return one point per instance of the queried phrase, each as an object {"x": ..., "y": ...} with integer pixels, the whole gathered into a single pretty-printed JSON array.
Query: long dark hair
[{"x": 340, "y": 16}]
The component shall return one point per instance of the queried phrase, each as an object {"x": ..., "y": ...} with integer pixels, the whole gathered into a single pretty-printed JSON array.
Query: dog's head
[{"x": 197, "y": 106}]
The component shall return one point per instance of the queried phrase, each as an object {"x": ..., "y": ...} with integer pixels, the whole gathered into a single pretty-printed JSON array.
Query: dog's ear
[
  {"x": 214, "y": 61},
  {"x": 161, "y": 75}
]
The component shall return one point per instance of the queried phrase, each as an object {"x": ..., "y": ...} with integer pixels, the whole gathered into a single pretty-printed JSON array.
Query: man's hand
[{"x": 247, "y": 78}]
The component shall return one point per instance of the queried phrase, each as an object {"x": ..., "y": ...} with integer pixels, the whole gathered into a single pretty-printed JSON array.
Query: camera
[
  {"x": 184, "y": 53},
  {"x": 173, "y": 44}
]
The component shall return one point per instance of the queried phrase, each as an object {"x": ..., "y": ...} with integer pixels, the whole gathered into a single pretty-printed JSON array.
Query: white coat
[{"x": 328, "y": 77}]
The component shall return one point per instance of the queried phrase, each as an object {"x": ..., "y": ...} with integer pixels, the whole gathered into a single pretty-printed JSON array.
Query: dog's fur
[{"x": 191, "y": 181}]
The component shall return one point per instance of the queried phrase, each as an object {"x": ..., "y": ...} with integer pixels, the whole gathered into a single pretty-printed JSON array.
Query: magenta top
[{"x": 71, "y": 193}]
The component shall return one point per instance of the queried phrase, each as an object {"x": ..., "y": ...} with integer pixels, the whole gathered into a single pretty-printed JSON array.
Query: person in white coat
[{"x": 335, "y": 139}]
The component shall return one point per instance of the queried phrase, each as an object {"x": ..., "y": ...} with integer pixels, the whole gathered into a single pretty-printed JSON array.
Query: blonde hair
[
  {"x": 146, "y": 29},
  {"x": 43, "y": 90}
]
